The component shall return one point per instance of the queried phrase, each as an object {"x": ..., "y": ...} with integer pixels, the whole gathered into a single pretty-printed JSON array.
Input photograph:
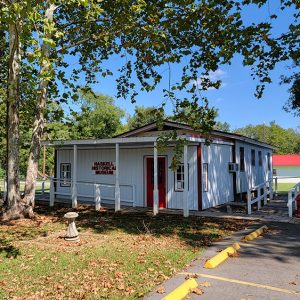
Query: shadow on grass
[
  {"x": 194, "y": 231},
  {"x": 8, "y": 249}
]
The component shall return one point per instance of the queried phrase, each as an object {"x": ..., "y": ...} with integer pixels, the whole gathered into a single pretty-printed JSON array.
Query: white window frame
[
  {"x": 65, "y": 175},
  {"x": 181, "y": 181}
]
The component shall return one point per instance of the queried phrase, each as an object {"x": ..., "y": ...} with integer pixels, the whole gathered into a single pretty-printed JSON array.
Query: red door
[{"x": 161, "y": 162}]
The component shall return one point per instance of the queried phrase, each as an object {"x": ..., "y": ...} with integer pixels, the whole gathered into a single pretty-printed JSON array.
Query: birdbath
[{"x": 72, "y": 233}]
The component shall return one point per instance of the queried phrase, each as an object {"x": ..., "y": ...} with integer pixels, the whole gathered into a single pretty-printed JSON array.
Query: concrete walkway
[
  {"x": 275, "y": 211},
  {"x": 266, "y": 268}
]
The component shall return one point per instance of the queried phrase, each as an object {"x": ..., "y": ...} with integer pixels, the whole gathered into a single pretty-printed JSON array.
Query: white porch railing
[
  {"x": 277, "y": 180},
  {"x": 292, "y": 194},
  {"x": 95, "y": 195},
  {"x": 267, "y": 188}
]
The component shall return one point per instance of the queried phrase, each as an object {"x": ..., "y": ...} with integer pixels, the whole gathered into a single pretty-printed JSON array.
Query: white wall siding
[
  {"x": 253, "y": 175},
  {"x": 132, "y": 172},
  {"x": 220, "y": 181},
  {"x": 175, "y": 199}
]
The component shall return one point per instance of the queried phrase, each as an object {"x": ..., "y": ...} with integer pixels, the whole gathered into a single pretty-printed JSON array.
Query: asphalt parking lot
[{"x": 265, "y": 268}]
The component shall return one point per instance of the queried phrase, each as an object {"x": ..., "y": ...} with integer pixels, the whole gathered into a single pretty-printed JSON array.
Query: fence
[
  {"x": 282, "y": 184},
  {"x": 42, "y": 186},
  {"x": 93, "y": 190},
  {"x": 292, "y": 194},
  {"x": 255, "y": 195}
]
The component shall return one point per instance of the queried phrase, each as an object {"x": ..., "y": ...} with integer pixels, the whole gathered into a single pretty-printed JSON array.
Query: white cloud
[{"x": 212, "y": 76}]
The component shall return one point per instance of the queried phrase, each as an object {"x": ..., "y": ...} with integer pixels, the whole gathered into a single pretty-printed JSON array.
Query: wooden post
[
  {"x": 155, "y": 189},
  {"x": 97, "y": 196},
  {"x": 186, "y": 181},
  {"x": 259, "y": 197},
  {"x": 249, "y": 202},
  {"x": 117, "y": 183},
  {"x": 265, "y": 193},
  {"x": 271, "y": 188},
  {"x": 52, "y": 196},
  {"x": 290, "y": 203},
  {"x": 74, "y": 180},
  {"x": 43, "y": 185},
  {"x": 276, "y": 187}
]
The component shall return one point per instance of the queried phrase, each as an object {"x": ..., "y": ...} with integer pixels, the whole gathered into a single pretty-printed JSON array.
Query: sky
[{"x": 235, "y": 99}]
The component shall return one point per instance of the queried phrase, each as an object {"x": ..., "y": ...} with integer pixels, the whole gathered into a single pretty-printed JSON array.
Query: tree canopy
[
  {"x": 287, "y": 140},
  {"x": 143, "y": 116},
  {"x": 47, "y": 47},
  {"x": 98, "y": 117}
]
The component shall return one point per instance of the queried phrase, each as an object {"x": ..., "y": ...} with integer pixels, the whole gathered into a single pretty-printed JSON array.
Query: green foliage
[
  {"x": 287, "y": 140},
  {"x": 293, "y": 103},
  {"x": 149, "y": 36},
  {"x": 222, "y": 126},
  {"x": 98, "y": 117},
  {"x": 143, "y": 116}
]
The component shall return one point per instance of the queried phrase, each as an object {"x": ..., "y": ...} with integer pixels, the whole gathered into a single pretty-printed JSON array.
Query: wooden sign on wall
[{"x": 104, "y": 167}]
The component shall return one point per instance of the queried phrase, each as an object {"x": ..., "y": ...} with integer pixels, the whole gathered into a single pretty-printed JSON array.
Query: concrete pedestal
[{"x": 72, "y": 233}]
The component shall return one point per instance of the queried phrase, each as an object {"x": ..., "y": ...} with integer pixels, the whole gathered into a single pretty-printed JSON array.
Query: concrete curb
[
  {"x": 182, "y": 291},
  {"x": 222, "y": 256},
  {"x": 253, "y": 235}
]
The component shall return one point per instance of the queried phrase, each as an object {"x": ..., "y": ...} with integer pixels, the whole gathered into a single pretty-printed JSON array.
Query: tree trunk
[
  {"x": 14, "y": 207},
  {"x": 39, "y": 123}
]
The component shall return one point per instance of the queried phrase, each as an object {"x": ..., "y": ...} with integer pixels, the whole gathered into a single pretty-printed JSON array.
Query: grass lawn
[
  {"x": 120, "y": 256},
  {"x": 285, "y": 186}
]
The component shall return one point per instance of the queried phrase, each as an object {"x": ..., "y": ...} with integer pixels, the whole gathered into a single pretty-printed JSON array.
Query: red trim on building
[
  {"x": 234, "y": 173},
  {"x": 199, "y": 162},
  {"x": 286, "y": 160}
]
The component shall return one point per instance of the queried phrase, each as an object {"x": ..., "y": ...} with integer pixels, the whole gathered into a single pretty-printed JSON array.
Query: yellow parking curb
[
  {"x": 253, "y": 235},
  {"x": 222, "y": 256},
  {"x": 182, "y": 291}
]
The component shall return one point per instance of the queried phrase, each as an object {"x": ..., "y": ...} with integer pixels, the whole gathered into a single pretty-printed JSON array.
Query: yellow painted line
[
  {"x": 222, "y": 256},
  {"x": 182, "y": 291},
  {"x": 262, "y": 286},
  {"x": 253, "y": 235}
]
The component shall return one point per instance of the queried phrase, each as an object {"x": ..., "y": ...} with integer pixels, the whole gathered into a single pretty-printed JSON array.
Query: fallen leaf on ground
[
  {"x": 160, "y": 290},
  {"x": 60, "y": 287},
  {"x": 191, "y": 276},
  {"x": 292, "y": 283},
  {"x": 197, "y": 291},
  {"x": 205, "y": 284},
  {"x": 235, "y": 254}
]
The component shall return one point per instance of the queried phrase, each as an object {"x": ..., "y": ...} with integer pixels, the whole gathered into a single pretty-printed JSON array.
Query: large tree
[
  {"x": 293, "y": 103},
  {"x": 96, "y": 117},
  {"x": 43, "y": 36},
  {"x": 143, "y": 116},
  {"x": 287, "y": 140}
]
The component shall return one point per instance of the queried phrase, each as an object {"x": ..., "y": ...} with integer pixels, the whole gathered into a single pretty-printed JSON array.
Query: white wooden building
[{"x": 128, "y": 170}]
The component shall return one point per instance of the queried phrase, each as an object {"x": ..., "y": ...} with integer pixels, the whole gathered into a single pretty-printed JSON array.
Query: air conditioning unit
[{"x": 233, "y": 167}]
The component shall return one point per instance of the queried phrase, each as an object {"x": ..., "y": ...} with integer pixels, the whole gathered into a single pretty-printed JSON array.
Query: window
[
  {"x": 259, "y": 158},
  {"x": 253, "y": 157},
  {"x": 179, "y": 178},
  {"x": 205, "y": 177},
  {"x": 242, "y": 159},
  {"x": 269, "y": 161},
  {"x": 65, "y": 174}
]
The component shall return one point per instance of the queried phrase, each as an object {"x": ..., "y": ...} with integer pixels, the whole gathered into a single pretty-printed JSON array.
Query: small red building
[{"x": 286, "y": 164}]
